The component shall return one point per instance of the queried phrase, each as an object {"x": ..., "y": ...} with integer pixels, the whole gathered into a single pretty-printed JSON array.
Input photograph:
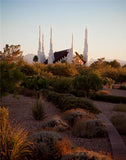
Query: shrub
[
  {"x": 28, "y": 69},
  {"x": 13, "y": 140},
  {"x": 57, "y": 123},
  {"x": 122, "y": 87},
  {"x": 90, "y": 128},
  {"x": 108, "y": 82},
  {"x": 102, "y": 92},
  {"x": 108, "y": 98},
  {"x": 85, "y": 155},
  {"x": 45, "y": 142},
  {"x": 37, "y": 109},
  {"x": 27, "y": 92},
  {"x": 120, "y": 107},
  {"x": 73, "y": 115},
  {"x": 119, "y": 121},
  {"x": 67, "y": 101}
]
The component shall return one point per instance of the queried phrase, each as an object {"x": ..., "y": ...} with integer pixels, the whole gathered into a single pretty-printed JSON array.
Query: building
[{"x": 69, "y": 55}]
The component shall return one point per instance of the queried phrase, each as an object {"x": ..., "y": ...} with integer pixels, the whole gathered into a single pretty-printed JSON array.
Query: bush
[
  {"x": 120, "y": 107},
  {"x": 102, "y": 92},
  {"x": 57, "y": 123},
  {"x": 45, "y": 142},
  {"x": 122, "y": 87},
  {"x": 28, "y": 92},
  {"x": 13, "y": 140},
  {"x": 108, "y": 98},
  {"x": 67, "y": 101},
  {"x": 108, "y": 82},
  {"x": 37, "y": 110},
  {"x": 28, "y": 69},
  {"x": 119, "y": 121},
  {"x": 90, "y": 128},
  {"x": 73, "y": 115},
  {"x": 85, "y": 155},
  {"x": 35, "y": 82}
]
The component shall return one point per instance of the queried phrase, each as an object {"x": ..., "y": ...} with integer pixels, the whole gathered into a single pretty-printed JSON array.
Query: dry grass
[
  {"x": 103, "y": 92},
  {"x": 120, "y": 107},
  {"x": 13, "y": 141}
]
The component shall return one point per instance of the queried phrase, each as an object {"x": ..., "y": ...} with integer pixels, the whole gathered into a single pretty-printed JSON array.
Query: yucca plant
[
  {"x": 37, "y": 110},
  {"x": 13, "y": 140}
]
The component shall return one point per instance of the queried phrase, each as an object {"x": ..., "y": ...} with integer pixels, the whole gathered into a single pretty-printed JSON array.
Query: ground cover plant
[
  {"x": 120, "y": 107},
  {"x": 14, "y": 144},
  {"x": 119, "y": 121}
]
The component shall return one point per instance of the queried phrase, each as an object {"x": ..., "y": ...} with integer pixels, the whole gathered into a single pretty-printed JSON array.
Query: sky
[{"x": 105, "y": 20}]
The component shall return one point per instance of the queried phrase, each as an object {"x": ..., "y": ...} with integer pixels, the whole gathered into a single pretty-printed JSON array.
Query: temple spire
[
  {"x": 43, "y": 43},
  {"x": 40, "y": 38},
  {"x": 85, "y": 53},
  {"x": 51, "y": 55},
  {"x": 51, "y": 46}
]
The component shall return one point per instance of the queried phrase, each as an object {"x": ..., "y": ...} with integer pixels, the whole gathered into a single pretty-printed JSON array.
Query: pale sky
[{"x": 105, "y": 20}]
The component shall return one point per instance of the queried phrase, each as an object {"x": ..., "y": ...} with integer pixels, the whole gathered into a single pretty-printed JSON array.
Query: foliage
[
  {"x": 61, "y": 84},
  {"x": 114, "y": 64},
  {"x": 11, "y": 53},
  {"x": 67, "y": 101},
  {"x": 108, "y": 82},
  {"x": 35, "y": 58},
  {"x": 103, "y": 92},
  {"x": 122, "y": 87},
  {"x": 120, "y": 107},
  {"x": 10, "y": 78},
  {"x": 28, "y": 92},
  {"x": 62, "y": 69},
  {"x": 37, "y": 109},
  {"x": 35, "y": 82},
  {"x": 90, "y": 129},
  {"x": 44, "y": 142},
  {"x": 73, "y": 115},
  {"x": 87, "y": 82},
  {"x": 13, "y": 140},
  {"x": 108, "y": 98},
  {"x": 57, "y": 123},
  {"x": 28, "y": 69},
  {"x": 119, "y": 121}
]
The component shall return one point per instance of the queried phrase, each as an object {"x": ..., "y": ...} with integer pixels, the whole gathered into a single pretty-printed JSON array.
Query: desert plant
[
  {"x": 14, "y": 144},
  {"x": 90, "y": 128},
  {"x": 120, "y": 107},
  {"x": 108, "y": 82},
  {"x": 102, "y": 92},
  {"x": 37, "y": 109},
  {"x": 57, "y": 123},
  {"x": 73, "y": 115},
  {"x": 45, "y": 142},
  {"x": 119, "y": 121}
]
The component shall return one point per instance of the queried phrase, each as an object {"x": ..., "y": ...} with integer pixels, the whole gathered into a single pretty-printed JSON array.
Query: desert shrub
[
  {"x": 61, "y": 84},
  {"x": 90, "y": 128},
  {"x": 67, "y": 101},
  {"x": 28, "y": 70},
  {"x": 86, "y": 82},
  {"x": 120, "y": 107},
  {"x": 122, "y": 87},
  {"x": 73, "y": 115},
  {"x": 102, "y": 92},
  {"x": 119, "y": 121},
  {"x": 77, "y": 93},
  {"x": 45, "y": 142},
  {"x": 35, "y": 82},
  {"x": 108, "y": 82},
  {"x": 85, "y": 155},
  {"x": 27, "y": 92},
  {"x": 39, "y": 68},
  {"x": 57, "y": 123},
  {"x": 108, "y": 98},
  {"x": 37, "y": 109},
  {"x": 10, "y": 78},
  {"x": 62, "y": 69},
  {"x": 14, "y": 144}
]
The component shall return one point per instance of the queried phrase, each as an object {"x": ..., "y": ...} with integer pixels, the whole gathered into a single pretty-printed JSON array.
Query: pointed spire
[
  {"x": 51, "y": 47},
  {"x": 85, "y": 53},
  {"x": 39, "y": 38},
  {"x": 42, "y": 42},
  {"x": 72, "y": 42}
]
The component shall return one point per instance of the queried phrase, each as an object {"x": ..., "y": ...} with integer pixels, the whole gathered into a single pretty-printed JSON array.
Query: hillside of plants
[{"x": 71, "y": 88}]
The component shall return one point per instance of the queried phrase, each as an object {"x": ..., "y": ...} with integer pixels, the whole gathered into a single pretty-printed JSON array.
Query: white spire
[
  {"x": 39, "y": 38},
  {"x": 51, "y": 55},
  {"x": 42, "y": 42},
  {"x": 51, "y": 47},
  {"x": 85, "y": 53}
]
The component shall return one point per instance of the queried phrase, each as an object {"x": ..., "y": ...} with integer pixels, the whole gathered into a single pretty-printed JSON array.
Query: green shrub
[
  {"x": 85, "y": 155},
  {"x": 56, "y": 123},
  {"x": 28, "y": 69},
  {"x": 37, "y": 109},
  {"x": 108, "y": 82},
  {"x": 122, "y": 87},
  {"x": 14, "y": 144},
  {"x": 35, "y": 82},
  {"x": 73, "y": 115},
  {"x": 119, "y": 121},
  {"x": 67, "y": 101},
  {"x": 44, "y": 142},
  {"x": 120, "y": 107},
  {"x": 108, "y": 98},
  {"x": 90, "y": 128}
]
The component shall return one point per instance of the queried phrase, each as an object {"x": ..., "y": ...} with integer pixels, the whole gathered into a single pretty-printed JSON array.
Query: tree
[
  {"x": 10, "y": 78},
  {"x": 87, "y": 82},
  {"x": 115, "y": 64},
  {"x": 11, "y": 53},
  {"x": 35, "y": 58}
]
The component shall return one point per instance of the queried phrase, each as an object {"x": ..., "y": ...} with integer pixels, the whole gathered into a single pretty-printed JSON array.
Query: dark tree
[{"x": 35, "y": 58}]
